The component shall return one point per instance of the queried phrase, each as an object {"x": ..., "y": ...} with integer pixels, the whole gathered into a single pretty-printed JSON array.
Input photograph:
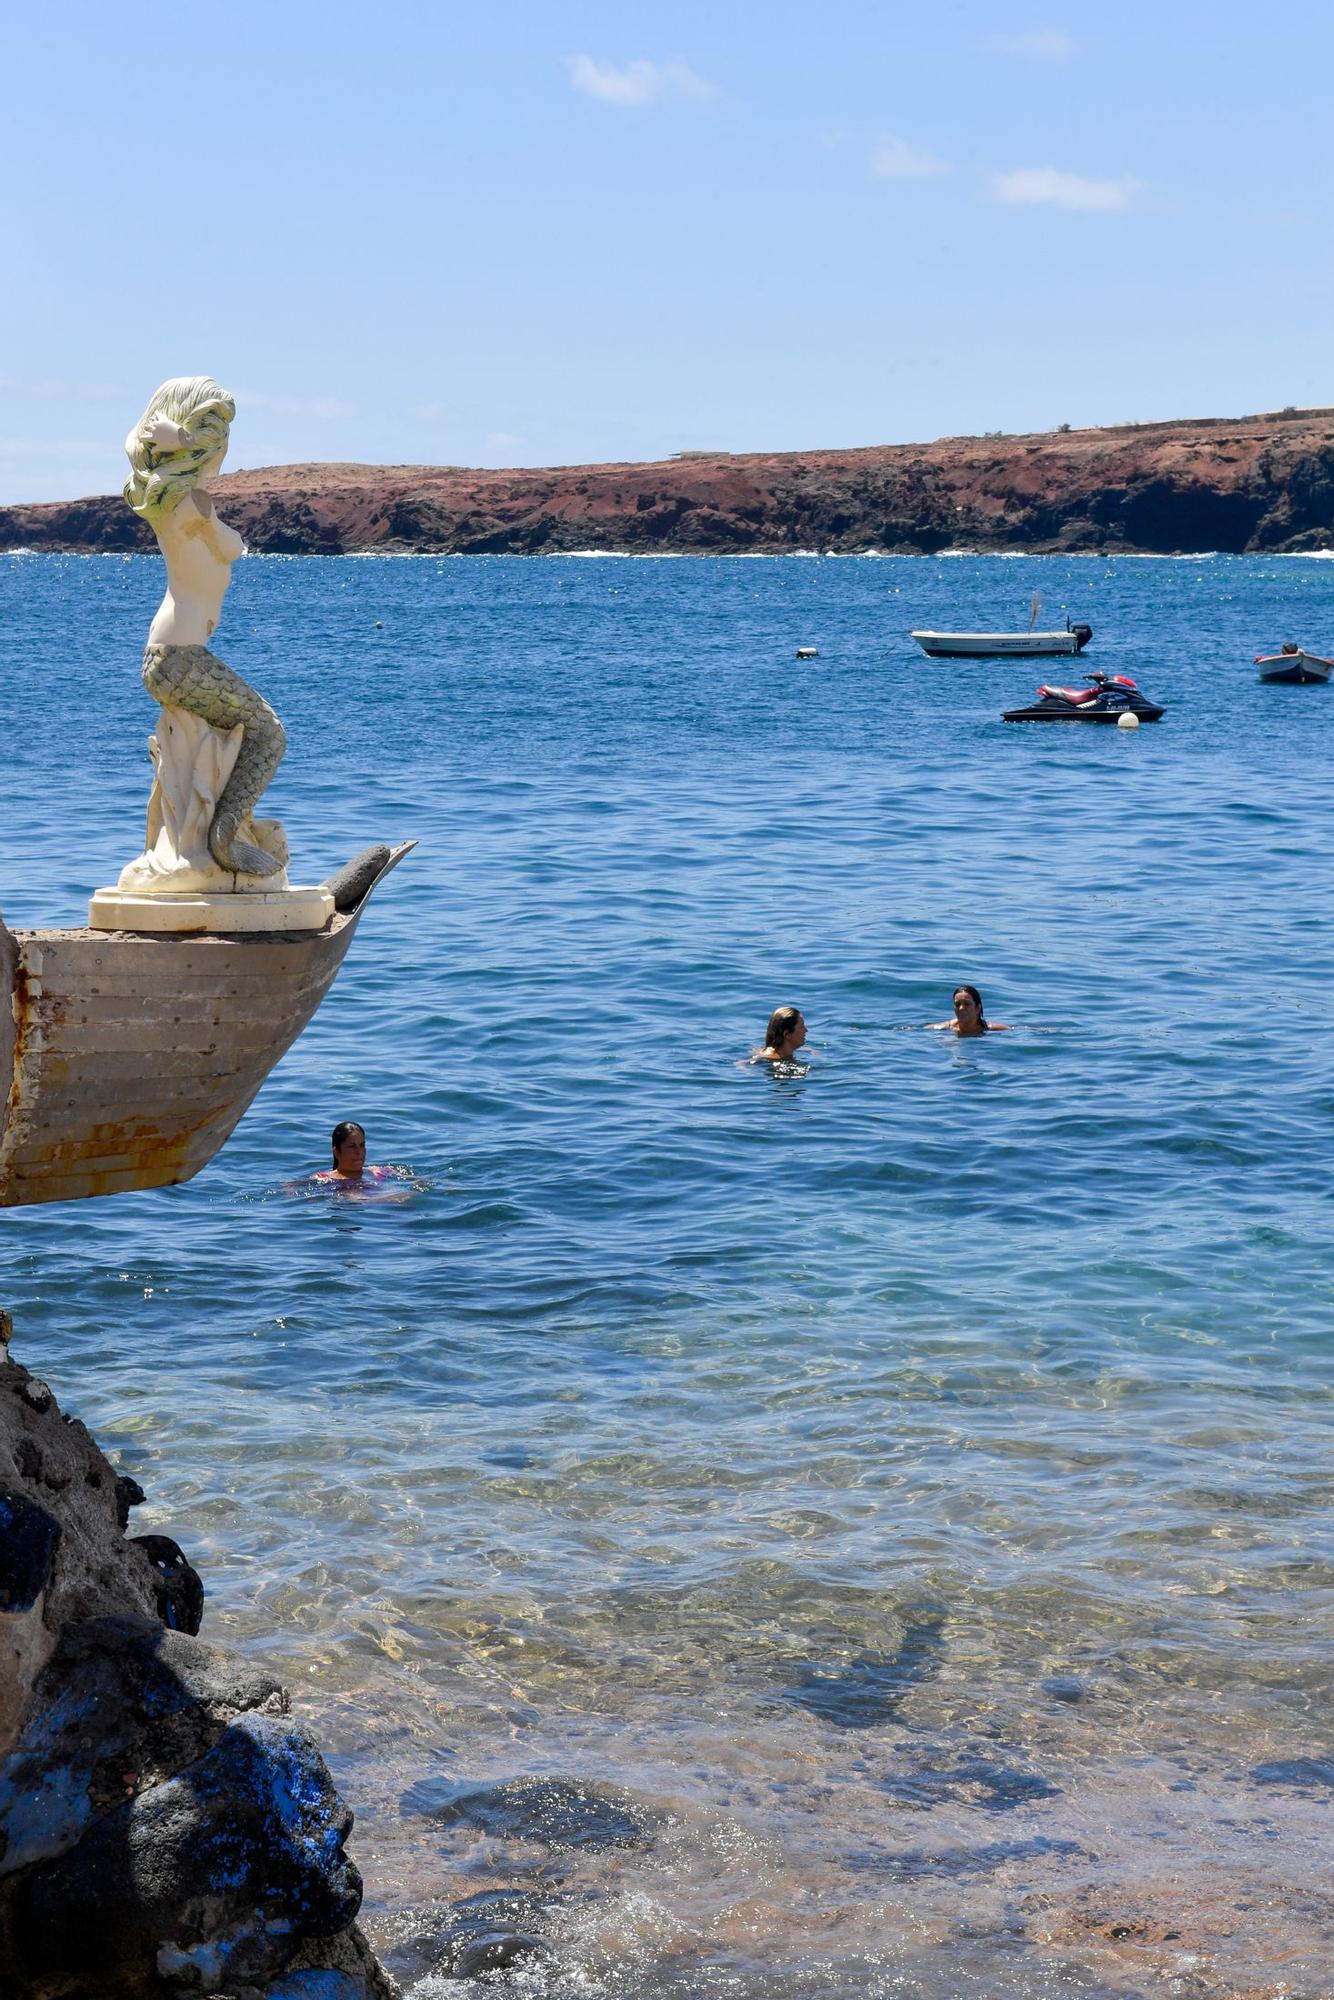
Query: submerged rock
[
  {"x": 969, "y": 1780},
  {"x": 489, "y": 1932},
  {"x": 1303, "y": 1774},
  {"x": 910, "y": 1863},
  {"x": 865, "y": 1692},
  {"x": 164, "y": 1828},
  {"x": 557, "y": 1812}
]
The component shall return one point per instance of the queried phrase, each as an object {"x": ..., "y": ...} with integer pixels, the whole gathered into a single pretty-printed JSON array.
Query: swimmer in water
[
  {"x": 349, "y": 1158},
  {"x": 349, "y": 1174},
  {"x": 784, "y": 1035},
  {"x": 970, "y": 1016}
]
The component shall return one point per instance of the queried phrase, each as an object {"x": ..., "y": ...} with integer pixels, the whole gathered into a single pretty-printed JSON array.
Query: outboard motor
[{"x": 1082, "y": 633}]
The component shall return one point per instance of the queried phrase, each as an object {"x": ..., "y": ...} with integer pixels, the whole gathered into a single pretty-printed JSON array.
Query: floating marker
[
  {"x": 808, "y": 652},
  {"x": 1128, "y": 721}
]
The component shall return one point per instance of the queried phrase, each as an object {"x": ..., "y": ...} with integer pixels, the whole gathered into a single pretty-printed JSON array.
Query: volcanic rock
[{"x": 165, "y": 1829}]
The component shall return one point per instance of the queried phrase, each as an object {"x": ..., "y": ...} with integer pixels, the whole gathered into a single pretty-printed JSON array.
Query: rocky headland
[{"x": 1237, "y": 484}]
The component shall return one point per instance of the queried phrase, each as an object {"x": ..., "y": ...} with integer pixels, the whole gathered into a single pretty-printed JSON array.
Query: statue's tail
[
  {"x": 260, "y": 754},
  {"x": 192, "y": 678}
]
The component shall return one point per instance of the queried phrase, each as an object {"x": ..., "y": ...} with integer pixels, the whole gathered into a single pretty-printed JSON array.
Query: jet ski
[{"x": 1108, "y": 698}]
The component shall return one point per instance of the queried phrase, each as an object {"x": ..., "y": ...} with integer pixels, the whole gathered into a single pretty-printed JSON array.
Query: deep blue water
[{"x": 908, "y": 1481}]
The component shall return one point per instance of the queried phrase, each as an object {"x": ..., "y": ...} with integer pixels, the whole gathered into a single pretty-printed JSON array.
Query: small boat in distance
[
  {"x": 1293, "y": 667},
  {"x": 1003, "y": 645}
]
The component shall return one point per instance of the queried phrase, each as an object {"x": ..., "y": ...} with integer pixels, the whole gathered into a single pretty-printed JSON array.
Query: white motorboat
[{"x": 1003, "y": 645}]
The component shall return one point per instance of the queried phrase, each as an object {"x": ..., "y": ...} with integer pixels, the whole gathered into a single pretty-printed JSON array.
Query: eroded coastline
[{"x": 1235, "y": 485}]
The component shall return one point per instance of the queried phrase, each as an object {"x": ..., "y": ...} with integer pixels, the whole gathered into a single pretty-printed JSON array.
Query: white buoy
[{"x": 1128, "y": 721}]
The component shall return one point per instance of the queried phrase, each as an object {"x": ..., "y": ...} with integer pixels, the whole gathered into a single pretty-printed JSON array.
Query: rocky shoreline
[
  {"x": 165, "y": 1827},
  {"x": 1236, "y": 485}
]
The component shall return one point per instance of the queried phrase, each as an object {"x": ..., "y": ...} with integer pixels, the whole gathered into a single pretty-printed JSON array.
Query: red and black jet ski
[{"x": 1109, "y": 698}]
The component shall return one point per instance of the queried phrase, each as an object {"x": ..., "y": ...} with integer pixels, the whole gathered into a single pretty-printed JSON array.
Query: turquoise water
[{"x": 894, "y": 1498}]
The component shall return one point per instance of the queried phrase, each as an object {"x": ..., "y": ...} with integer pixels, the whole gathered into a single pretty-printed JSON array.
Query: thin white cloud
[
  {"x": 1042, "y": 44},
  {"x": 501, "y": 441},
  {"x": 895, "y": 160},
  {"x": 637, "y": 82},
  {"x": 1033, "y": 186}
]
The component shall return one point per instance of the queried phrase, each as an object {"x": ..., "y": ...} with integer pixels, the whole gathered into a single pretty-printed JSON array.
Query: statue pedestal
[{"x": 260, "y": 910}]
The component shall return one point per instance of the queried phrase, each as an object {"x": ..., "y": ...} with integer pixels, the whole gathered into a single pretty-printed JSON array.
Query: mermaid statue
[{"x": 218, "y": 743}]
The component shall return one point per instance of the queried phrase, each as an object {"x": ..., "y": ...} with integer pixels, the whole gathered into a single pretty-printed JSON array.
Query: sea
[{"x": 857, "y": 1531}]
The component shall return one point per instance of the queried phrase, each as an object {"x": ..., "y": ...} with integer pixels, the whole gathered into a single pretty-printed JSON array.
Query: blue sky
[{"x": 543, "y": 234}]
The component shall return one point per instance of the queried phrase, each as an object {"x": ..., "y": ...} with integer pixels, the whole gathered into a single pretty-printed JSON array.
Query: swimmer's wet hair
[
  {"x": 975, "y": 996},
  {"x": 781, "y": 1022},
  {"x": 342, "y": 1133}
]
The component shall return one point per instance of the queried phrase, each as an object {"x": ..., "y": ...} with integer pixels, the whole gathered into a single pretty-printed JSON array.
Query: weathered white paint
[
  {"x": 192, "y": 762},
  {"x": 237, "y": 913}
]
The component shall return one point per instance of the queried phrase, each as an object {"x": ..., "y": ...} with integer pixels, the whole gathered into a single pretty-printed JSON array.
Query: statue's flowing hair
[{"x": 161, "y": 477}]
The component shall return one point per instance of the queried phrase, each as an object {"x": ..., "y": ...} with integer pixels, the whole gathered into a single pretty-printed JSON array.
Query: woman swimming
[
  {"x": 349, "y": 1174},
  {"x": 970, "y": 1015},
  {"x": 784, "y": 1035},
  {"x": 349, "y": 1158}
]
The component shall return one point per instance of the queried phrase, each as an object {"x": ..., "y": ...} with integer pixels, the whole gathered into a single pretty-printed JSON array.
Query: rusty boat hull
[{"x": 129, "y": 1058}]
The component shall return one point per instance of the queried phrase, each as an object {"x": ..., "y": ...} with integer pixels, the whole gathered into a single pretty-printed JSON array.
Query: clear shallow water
[{"x": 899, "y": 1494}]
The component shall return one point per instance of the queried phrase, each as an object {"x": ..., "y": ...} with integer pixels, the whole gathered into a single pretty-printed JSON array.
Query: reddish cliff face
[{"x": 1243, "y": 483}]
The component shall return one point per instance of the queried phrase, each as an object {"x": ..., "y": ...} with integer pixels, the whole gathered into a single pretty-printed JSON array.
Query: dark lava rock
[
  {"x": 212, "y": 1877},
  {"x": 969, "y": 1781},
  {"x": 129, "y": 1493},
  {"x": 162, "y": 1832},
  {"x": 558, "y": 1812},
  {"x": 29, "y": 1538},
  {"x": 53, "y": 1463},
  {"x": 120, "y": 1707},
  {"x": 179, "y": 1588},
  {"x": 865, "y": 1693},
  {"x": 1064, "y": 1687}
]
